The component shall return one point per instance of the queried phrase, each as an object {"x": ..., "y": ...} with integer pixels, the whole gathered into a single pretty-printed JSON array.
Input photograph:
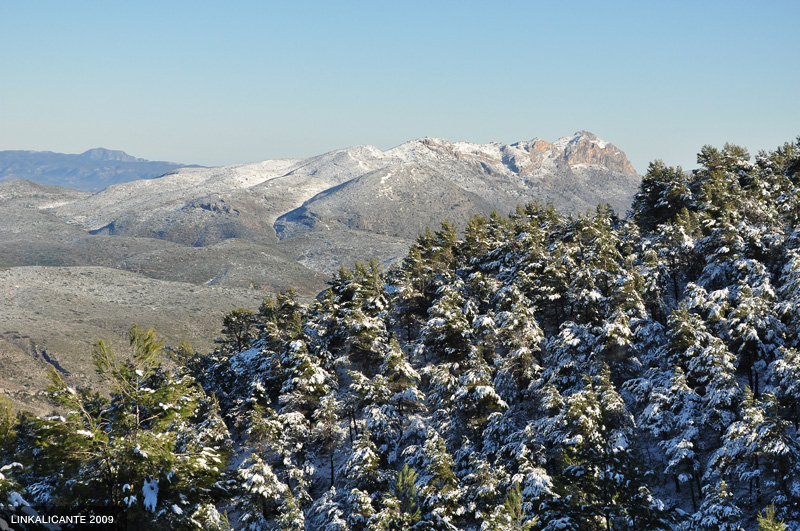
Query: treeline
[{"x": 537, "y": 372}]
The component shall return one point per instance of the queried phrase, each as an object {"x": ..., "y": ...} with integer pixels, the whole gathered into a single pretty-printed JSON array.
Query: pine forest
[{"x": 530, "y": 372}]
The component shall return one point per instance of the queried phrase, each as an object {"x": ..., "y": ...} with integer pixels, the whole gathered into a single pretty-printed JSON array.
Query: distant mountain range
[{"x": 91, "y": 171}]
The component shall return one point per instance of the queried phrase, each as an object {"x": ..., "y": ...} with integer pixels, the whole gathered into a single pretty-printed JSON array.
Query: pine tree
[
  {"x": 10, "y": 490},
  {"x": 362, "y": 468},
  {"x": 280, "y": 319},
  {"x": 784, "y": 377},
  {"x": 718, "y": 512},
  {"x": 239, "y": 329},
  {"x": 708, "y": 365},
  {"x": 359, "y": 510},
  {"x": 306, "y": 381},
  {"x": 290, "y": 517},
  {"x": 146, "y": 449},
  {"x": 326, "y": 432},
  {"x": 480, "y": 480},
  {"x": 447, "y": 332},
  {"x": 674, "y": 416},
  {"x": 757, "y": 450},
  {"x": 401, "y": 509},
  {"x": 676, "y": 249},
  {"x": 595, "y": 486},
  {"x": 401, "y": 381},
  {"x": 789, "y": 293},
  {"x": 519, "y": 340},
  {"x": 767, "y": 521},
  {"x": 475, "y": 397},
  {"x": 355, "y": 316},
  {"x": 440, "y": 492},
  {"x": 12, "y": 502},
  {"x": 568, "y": 357},
  {"x": 664, "y": 191},
  {"x": 327, "y": 514},
  {"x": 754, "y": 330},
  {"x": 261, "y": 493},
  {"x": 510, "y": 516}
]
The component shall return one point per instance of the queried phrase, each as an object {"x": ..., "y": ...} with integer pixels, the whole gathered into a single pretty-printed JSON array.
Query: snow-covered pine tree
[
  {"x": 446, "y": 334},
  {"x": 758, "y": 451},
  {"x": 327, "y": 514},
  {"x": 783, "y": 376},
  {"x": 306, "y": 380},
  {"x": 510, "y": 516},
  {"x": 326, "y": 433},
  {"x": 400, "y": 505},
  {"x": 261, "y": 492},
  {"x": 718, "y": 512},
  {"x": 663, "y": 193},
  {"x": 147, "y": 449}
]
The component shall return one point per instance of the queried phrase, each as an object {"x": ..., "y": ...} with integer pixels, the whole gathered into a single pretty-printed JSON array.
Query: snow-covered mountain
[{"x": 397, "y": 192}]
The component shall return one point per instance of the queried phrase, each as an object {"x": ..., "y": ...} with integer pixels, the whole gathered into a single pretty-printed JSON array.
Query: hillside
[{"x": 54, "y": 315}]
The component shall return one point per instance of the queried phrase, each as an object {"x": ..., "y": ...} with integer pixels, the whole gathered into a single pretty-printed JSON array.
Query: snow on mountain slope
[
  {"x": 342, "y": 165},
  {"x": 399, "y": 201},
  {"x": 202, "y": 206},
  {"x": 165, "y": 192}
]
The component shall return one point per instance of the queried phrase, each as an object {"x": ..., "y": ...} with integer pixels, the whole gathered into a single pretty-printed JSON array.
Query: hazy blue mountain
[{"x": 92, "y": 170}]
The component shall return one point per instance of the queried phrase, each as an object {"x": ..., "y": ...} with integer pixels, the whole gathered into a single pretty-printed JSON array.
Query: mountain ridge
[
  {"x": 469, "y": 165},
  {"x": 100, "y": 153},
  {"x": 93, "y": 170},
  {"x": 271, "y": 200}
]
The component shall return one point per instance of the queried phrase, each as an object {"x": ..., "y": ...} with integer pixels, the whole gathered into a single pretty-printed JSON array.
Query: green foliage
[
  {"x": 401, "y": 508},
  {"x": 326, "y": 432},
  {"x": 510, "y": 516},
  {"x": 9, "y": 489},
  {"x": 281, "y": 318},
  {"x": 239, "y": 328},
  {"x": 7, "y": 423},
  {"x": 767, "y": 521},
  {"x": 664, "y": 191},
  {"x": 157, "y": 431},
  {"x": 291, "y": 517}
]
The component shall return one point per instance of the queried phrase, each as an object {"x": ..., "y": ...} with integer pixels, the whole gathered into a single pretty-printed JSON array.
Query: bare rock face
[
  {"x": 586, "y": 148},
  {"x": 526, "y": 157}
]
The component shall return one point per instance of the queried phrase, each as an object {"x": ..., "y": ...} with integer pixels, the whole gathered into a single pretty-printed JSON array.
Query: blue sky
[{"x": 216, "y": 83}]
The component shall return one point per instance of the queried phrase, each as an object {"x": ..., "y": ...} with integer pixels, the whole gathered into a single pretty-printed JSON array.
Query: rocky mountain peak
[
  {"x": 587, "y": 148},
  {"x": 110, "y": 155}
]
